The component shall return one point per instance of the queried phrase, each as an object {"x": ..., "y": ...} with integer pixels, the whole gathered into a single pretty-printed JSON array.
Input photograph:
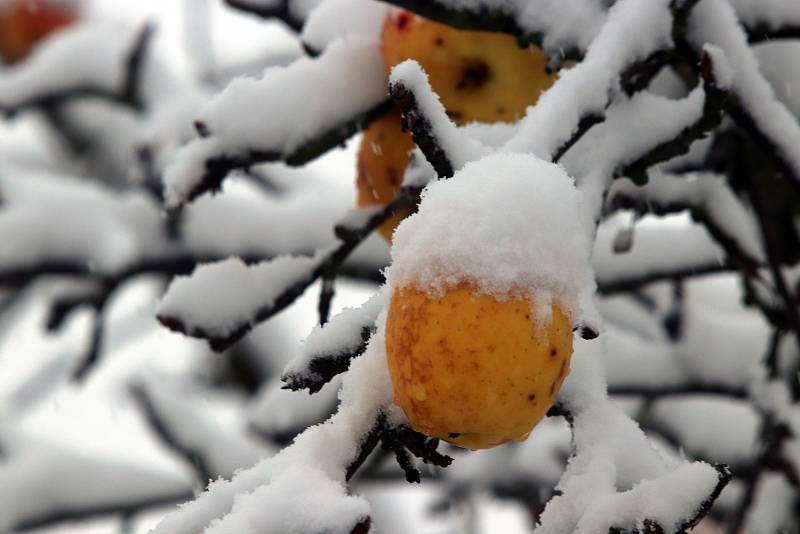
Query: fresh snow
[
  {"x": 530, "y": 242},
  {"x": 273, "y": 115},
  {"x": 220, "y": 297}
]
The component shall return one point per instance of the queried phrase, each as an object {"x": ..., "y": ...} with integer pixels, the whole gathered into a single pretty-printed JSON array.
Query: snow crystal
[{"x": 507, "y": 223}]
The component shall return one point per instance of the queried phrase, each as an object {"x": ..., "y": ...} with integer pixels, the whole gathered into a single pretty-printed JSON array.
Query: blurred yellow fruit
[
  {"x": 479, "y": 76},
  {"x": 23, "y": 23},
  {"x": 381, "y": 161},
  {"x": 471, "y": 369}
]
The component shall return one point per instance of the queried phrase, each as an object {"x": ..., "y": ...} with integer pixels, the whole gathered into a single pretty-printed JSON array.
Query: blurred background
[{"x": 108, "y": 420}]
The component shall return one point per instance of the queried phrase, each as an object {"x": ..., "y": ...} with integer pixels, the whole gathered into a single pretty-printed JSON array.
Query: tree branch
[
  {"x": 331, "y": 264},
  {"x": 713, "y": 107},
  {"x": 127, "y": 95},
  {"x": 219, "y": 167}
]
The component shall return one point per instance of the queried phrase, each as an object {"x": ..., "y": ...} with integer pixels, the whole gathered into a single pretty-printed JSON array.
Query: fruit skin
[
  {"x": 479, "y": 76},
  {"x": 23, "y": 23},
  {"x": 381, "y": 161},
  {"x": 471, "y": 369}
]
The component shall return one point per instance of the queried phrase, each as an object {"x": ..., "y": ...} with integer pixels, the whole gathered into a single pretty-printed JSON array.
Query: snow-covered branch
[
  {"x": 257, "y": 121},
  {"x": 115, "y": 75}
]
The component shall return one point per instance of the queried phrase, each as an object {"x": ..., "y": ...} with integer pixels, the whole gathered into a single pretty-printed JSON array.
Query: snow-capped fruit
[
  {"x": 472, "y": 369},
  {"x": 479, "y": 76},
  {"x": 24, "y": 23},
  {"x": 381, "y": 162}
]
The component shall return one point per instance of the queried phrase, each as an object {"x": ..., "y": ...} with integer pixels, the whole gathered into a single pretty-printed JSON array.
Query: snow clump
[{"x": 509, "y": 223}]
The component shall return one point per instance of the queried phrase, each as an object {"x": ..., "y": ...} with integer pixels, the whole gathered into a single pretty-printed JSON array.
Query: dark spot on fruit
[
  {"x": 501, "y": 110},
  {"x": 403, "y": 20},
  {"x": 453, "y": 435},
  {"x": 394, "y": 179},
  {"x": 532, "y": 397},
  {"x": 454, "y": 115},
  {"x": 553, "y": 352},
  {"x": 474, "y": 75},
  {"x": 439, "y": 41}
]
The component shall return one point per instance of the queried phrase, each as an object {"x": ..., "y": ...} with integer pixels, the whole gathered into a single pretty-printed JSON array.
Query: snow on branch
[
  {"x": 632, "y": 32},
  {"x": 756, "y": 107},
  {"x": 645, "y": 129},
  {"x": 222, "y": 301},
  {"x": 616, "y": 481},
  {"x": 716, "y": 77},
  {"x": 302, "y": 488},
  {"x": 273, "y": 285},
  {"x": 185, "y": 422},
  {"x": 30, "y": 463},
  {"x": 769, "y": 19},
  {"x": 329, "y": 349},
  {"x": 446, "y": 147},
  {"x": 663, "y": 249},
  {"x": 710, "y": 201},
  {"x": 332, "y": 19},
  {"x": 59, "y": 71},
  {"x": 281, "y": 117}
]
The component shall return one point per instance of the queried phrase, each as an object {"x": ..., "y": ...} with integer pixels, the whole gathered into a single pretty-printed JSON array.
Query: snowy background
[{"x": 105, "y": 413}]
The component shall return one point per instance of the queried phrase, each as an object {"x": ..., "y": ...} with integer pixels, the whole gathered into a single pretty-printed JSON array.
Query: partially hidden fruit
[
  {"x": 380, "y": 164},
  {"x": 472, "y": 369},
  {"x": 479, "y": 76},
  {"x": 24, "y": 23}
]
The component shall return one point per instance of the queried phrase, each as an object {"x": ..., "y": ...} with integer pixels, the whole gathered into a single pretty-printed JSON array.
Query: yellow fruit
[
  {"x": 471, "y": 369},
  {"x": 23, "y": 23},
  {"x": 381, "y": 161},
  {"x": 479, "y": 76}
]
